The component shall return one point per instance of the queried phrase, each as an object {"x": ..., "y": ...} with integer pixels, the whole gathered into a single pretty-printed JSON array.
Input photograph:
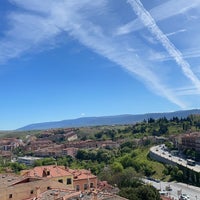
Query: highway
[{"x": 161, "y": 152}]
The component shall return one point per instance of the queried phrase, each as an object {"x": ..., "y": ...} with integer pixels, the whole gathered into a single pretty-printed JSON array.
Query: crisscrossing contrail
[{"x": 150, "y": 23}]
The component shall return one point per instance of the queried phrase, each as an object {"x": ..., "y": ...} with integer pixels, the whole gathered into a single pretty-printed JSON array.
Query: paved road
[
  {"x": 192, "y": 191},
  {"x": 159, "y": 150}
]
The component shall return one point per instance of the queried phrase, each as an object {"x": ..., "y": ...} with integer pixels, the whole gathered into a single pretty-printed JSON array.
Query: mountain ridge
[{"x": 107, "y": 120}]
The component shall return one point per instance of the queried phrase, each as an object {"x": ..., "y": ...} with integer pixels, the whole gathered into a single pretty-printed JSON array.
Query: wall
[{"x": 23, "y": 191}]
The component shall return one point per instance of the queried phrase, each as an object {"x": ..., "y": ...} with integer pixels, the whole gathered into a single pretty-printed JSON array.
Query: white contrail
[
  {"x": 150, "y": 23},
  {"x": 175, "y": 32},
  {"x": 164, "y": 11},
  {"x": 66, "y": 16}
]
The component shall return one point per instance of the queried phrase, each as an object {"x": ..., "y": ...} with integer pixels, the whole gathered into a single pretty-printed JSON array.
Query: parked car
[{"x": 184, "y": 197}]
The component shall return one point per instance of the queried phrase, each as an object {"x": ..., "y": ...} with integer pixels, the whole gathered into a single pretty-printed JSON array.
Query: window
[
  {"x": 85, "y": 186},
  {"x": 77, "y": 187},
  {"x": 60, "y": 180},
  {"x": 48, "y": 173},
  {"x": 31, "y": 191},
  {"x": 10, "y": 196},
  {"x": 69, "y": 181},
  {"x": 91, "y": 185}
]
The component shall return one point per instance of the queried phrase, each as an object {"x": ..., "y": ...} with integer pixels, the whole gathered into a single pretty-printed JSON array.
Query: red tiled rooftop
[
  {"x": 81, "y": 174},
  {"x": 47, "y": 171}
]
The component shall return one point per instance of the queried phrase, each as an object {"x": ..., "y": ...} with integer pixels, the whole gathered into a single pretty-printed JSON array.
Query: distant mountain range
[{"x": 108, "y": 120}]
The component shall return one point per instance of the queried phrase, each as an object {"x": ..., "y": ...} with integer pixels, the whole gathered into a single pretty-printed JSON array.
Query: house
[
  {"x": 71, "y": 136},
  {"x": 60, "y": 134},
  {"x": 105, "y": 187},
  {"x": 38, "y": 144},
  {"x": 6, "y": 155},
  {"x": 14, "y": 187},
  {"x": 108, "y": 143},
  {"x": 70, "y": 151},
  {"x": 52, "y": 172},
  {"x": 79, "y": 179},
  {"x": 53, "y": 150},
  {"x": 92, "y": 144},
  {"x": 9, "y": 144},
  {"x": 51, "y": 182},
  {"x": 83, "y": 179}
]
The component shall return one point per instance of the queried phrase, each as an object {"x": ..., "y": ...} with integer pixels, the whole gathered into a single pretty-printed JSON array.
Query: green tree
[
  {"x": 82, "y": 154},
  {"x": 129, "y": 178},
  {"x": 179, "y": 175},
  {"x": 17, "y": 167},
  {"x": 117, "y": 167},
  {"x": 126, "y": 161},
  {"x": 129, "y": 193},
  {"x": 163, "y": 129},
  {"x": 45, "y": 161},
  {"x": 147, "y": 192},
  {"x": 143, "y": 192}
]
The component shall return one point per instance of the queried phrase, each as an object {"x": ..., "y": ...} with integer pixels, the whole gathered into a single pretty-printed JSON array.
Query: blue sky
[{"x": 67, "y": 59}]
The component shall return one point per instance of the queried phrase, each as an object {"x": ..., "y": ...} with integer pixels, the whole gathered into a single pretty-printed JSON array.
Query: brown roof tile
[{"x": 47, "y": 171}]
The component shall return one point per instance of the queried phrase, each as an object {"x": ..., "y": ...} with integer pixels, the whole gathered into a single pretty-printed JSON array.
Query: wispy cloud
[
  {"x": 186, "y": 91},
  {"x": 28, "y": 31},
  {"x": 161, "y": 12},
  {"x": 188, "y": 53},
  {"x": 149, "y": 22},
  {"x": 43, "y": 21}
]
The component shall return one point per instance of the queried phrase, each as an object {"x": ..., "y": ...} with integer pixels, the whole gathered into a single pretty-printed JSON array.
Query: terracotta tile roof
[
  {"x": 8, "y": 179},
  {"x": 47, "y": 171},
  {"x": 80, "y": 174}
]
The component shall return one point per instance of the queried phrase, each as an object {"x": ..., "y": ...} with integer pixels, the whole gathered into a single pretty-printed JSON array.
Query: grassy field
[{"x": 143, "y": 159}]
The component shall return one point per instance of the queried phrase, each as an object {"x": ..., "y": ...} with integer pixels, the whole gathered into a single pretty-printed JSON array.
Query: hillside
[{"x": 108, "y": 120}]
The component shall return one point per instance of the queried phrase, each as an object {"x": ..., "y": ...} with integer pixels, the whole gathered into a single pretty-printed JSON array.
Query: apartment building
[
  {"x": 9, "y": 144},
  {"x": 38, "y": 144},
  {"x": 191, "y": 141}
]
